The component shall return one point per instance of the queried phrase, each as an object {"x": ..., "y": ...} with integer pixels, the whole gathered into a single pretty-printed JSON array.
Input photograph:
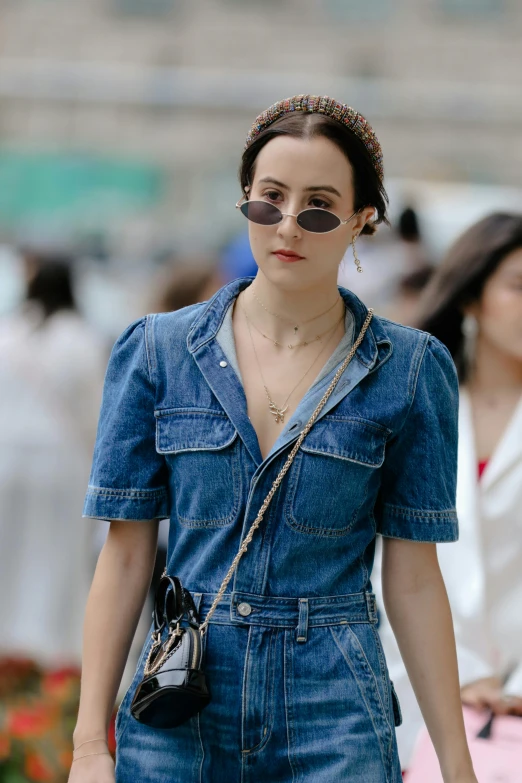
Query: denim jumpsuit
[{"x": 300, "y": 687}]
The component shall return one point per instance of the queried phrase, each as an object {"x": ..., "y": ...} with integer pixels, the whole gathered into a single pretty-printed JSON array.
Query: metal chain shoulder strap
[{"x": 283, "y": 472}]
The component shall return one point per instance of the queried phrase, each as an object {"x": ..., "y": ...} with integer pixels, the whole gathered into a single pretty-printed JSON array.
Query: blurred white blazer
[{"x": 482, "y": 572}]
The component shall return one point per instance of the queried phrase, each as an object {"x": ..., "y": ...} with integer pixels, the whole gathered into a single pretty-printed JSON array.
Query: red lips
[{"x": 287, "y": 255}]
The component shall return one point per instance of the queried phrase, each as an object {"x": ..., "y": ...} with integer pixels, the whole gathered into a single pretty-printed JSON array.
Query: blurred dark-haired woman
[
  {"x": 473, "y": 304},
  {"x": 51, "y": 377}
]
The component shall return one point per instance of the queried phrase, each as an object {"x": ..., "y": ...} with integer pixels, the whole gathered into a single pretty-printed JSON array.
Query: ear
[{"x": 364, "y": 216}]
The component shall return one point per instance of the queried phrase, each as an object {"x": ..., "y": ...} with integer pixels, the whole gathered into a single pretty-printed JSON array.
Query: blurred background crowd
[{"x": 121, "y": 127}]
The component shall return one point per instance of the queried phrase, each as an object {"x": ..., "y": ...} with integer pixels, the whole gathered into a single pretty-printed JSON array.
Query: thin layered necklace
[
  {"x": 278, "y": 412},
  {"x": 295, "y": 325}
]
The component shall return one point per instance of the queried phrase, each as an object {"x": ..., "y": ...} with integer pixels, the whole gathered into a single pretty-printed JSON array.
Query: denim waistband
[{"x": 240, "y": 608}]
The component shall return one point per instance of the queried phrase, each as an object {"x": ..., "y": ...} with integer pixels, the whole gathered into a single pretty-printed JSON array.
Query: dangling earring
[{"x": 355, "y": 258}]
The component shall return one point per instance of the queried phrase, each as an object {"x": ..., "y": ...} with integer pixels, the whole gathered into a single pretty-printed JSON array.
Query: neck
[
  {"x": 495, "y": 371},
  {"x": 295, "y": 307}
]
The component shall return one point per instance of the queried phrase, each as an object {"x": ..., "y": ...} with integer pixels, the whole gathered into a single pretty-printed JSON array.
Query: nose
[{"x": 289, "y": 226}]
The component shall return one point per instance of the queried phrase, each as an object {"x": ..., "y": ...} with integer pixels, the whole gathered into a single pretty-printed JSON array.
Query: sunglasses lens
[
  {"x": 261, "y": 212},
  {"x": 319, "y": 221}
]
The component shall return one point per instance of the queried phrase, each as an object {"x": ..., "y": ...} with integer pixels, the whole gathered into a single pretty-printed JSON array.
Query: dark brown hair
[
  {"x": 51, "y": 285},
  {"x": 184, "y": 285},
  {"x": 460, "y": 279},
  {"x": 368, "y": 188}
]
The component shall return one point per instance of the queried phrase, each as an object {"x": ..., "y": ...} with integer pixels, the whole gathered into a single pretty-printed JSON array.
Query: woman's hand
[
  {"x": 94, "y": 769},
  {"x": 488, "y": 694}
]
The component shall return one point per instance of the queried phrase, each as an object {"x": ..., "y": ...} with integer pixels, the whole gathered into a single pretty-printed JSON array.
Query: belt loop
[
  {"x": 371, "y": 605},
  {"x": 197, "y": 600},
  {"x": 302, "y": 628}
]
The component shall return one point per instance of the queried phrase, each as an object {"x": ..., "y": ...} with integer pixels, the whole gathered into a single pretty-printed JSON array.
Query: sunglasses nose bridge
[{"x": 295, "y": 222}]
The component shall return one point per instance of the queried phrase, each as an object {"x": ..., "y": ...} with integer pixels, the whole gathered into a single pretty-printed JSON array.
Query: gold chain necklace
[
  {"x": 290, "y": 345},
  {"x": 276, "y": 411},
  {"x": 296, "y": 325}
]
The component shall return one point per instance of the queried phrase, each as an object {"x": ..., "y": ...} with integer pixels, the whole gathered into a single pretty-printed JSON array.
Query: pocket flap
[
  {"x": 192, "y": 429},
  {"x": 357, "y": 440}
]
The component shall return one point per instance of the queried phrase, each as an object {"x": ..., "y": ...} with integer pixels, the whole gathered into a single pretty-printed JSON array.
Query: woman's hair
[
  {"x": 460, "y": 279},
  {"x": 408, "y": 225},
  {"x": 184, "y": 285},
  {"x": 369, "y": 190},
  {"x": 51, "y": 284}
]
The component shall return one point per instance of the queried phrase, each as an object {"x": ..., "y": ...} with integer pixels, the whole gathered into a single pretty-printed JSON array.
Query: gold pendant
[{"x": 279, "y": 413}]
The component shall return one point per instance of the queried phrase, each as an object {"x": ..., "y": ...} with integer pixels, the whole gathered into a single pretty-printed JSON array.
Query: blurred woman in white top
[
  {"x": 51, "y": 375},
  {"x": 473, "y": 304}
]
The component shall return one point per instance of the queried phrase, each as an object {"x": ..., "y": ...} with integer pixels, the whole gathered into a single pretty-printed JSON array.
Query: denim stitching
[
  {"x": 362, "y": 652},
  {"x": 305, "y": 529},
  {"x": 380, "y": 363},
  {"x": 129, "y": 494},
  {"x": 236, "y": 494},
  {"x": 384, "y": 672},
  {"x": 196, "y": 324},
  {"x": 356, "y": 458},
  {"x": 244, "y": 696},
  {"x": 198, "y": 726},
  {"x": 288, "y": 673},
  {"x": 420, "y": 351},
  {"x": 413, "y": 375},
  {"x": 270, "y": 622},
  {"x": 450, "y": 514},
  {"x": 160, "y": 413},
  {"x": 442, "y": 537},
  {"x": 380, "y": 428},
  {"x": 192, "y": 447},
  {"x": 362, "y": 690},
  {"x": 268, "y": 718},
  {"x": 150, "y": 351}
]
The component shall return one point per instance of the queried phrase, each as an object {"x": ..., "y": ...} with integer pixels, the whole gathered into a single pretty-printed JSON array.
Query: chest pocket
[
  {"x": 333, "y": 473},
  {"x": 202, "y": 453}
]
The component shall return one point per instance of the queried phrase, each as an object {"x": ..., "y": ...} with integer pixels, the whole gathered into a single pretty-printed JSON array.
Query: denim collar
[
  {"x": 209, "y": 322},
  {"x": 375, "y": 348}
]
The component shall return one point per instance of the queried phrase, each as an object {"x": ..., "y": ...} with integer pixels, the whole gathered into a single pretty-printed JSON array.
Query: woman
[
  {"x": 51, "y": 378},
  {"x": 474, "y": 306},
  {"x": 200, "y": 411}
]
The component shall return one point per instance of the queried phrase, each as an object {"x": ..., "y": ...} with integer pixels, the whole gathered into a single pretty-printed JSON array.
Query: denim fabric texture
[{"x": 299, "y": 683}]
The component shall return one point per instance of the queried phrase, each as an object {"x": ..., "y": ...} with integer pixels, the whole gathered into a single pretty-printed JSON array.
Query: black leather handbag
[{"x": 174, "y": 688}]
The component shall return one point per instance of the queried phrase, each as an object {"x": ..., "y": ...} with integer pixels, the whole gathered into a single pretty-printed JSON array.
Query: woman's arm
[
  {"x": 418, "y": 609},
  {"x": 116, "y": 599}
]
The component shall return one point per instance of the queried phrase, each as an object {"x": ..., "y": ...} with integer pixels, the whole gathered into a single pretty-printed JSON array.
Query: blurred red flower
[
  {"x": 5, "y": 746},
  {"x": 36, "y": 768}
]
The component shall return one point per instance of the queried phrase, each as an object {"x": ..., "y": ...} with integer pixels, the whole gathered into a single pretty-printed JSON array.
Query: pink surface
[{"x": 496, "y": 760}]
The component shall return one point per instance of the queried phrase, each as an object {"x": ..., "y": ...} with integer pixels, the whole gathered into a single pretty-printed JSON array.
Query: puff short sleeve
[
  {"x": 417, "y": 496},
  {"x": 128, "y": 478}
]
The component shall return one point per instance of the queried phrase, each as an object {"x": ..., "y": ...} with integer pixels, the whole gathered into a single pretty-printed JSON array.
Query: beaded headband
[{"x": 314, "y": 104}]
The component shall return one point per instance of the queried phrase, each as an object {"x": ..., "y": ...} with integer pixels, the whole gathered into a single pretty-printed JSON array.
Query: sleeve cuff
[
  {"x": 131, "y": 504},
  {"x": 418, "y": 525}
]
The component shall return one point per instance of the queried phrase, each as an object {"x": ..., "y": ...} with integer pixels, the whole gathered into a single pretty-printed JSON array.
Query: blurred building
[{"x": 128, "y": 116}]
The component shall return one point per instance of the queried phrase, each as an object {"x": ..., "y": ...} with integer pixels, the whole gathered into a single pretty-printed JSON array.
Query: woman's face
[
  {"x": 499, "y": 311},
  {"x": 296, "y": 174}
]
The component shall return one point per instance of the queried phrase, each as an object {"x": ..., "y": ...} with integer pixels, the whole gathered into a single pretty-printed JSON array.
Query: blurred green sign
[{"x": 74, "y": 189}]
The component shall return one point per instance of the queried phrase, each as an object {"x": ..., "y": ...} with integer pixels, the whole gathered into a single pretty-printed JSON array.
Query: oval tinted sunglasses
[{"x": 315, "y": 220}]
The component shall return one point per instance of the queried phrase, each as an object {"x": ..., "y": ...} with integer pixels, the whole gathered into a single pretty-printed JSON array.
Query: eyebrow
[{"x": 311, "y": 189}]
